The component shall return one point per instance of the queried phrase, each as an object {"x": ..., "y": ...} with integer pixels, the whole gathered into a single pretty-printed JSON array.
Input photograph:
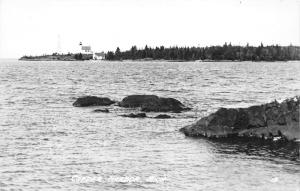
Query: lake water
[{"x": 47, "y": 144}]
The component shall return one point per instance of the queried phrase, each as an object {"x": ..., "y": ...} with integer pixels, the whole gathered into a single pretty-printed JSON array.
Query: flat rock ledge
[
  {"x": 144, "y": 115},
  {"x": 101, "y": 110},
  {"x": 271, "y": 121},
  {"x": 163, "y": 116},
  {"x": 87, "y": 101},
  {"x": 153, "y": 103},
  {"x": 138, "y": 115}
]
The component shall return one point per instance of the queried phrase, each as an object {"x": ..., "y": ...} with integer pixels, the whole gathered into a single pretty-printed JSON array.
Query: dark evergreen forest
[{"x": 217, "y": 53}]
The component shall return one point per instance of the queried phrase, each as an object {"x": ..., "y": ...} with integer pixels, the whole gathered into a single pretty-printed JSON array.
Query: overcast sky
[{"x": 34, "y": 27}]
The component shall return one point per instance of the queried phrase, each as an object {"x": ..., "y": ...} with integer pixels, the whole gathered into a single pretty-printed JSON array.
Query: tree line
[
  {"x": 218, "y": 53},
  {"x": 58, "y": 56}
]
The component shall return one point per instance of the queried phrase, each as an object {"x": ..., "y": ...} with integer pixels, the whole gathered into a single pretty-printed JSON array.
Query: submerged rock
[
  {"x": 101, "y": 110},
  {"x": 92, "y": 101},
  {"x": 138, "y": 115},
  {"x": 272, "y": 121},
  {"x": 153, "y": 103},
  {"x": 143, "y": 115},
  {"x": 162, "y": 116}
]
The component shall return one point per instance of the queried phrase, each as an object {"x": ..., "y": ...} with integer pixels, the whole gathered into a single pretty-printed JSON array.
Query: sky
[{"x": 35, "y": 27}]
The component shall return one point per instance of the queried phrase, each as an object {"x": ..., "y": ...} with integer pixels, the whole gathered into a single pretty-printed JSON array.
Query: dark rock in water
[
  {"x": 138, "y": 115},
  {"x": 136, "y": 100},
  {"x": 163, "y": 116},
  {"x": 102, "y": 110},
  {"x": 92, "y": 101},
  {"x": 164, "y": 105},
  {"x": 273, "y": 121},
  {"x": 153, "y": 103}
]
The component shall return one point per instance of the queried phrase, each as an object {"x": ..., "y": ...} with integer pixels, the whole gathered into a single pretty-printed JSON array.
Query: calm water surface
[{"x": 46, "y": 143}]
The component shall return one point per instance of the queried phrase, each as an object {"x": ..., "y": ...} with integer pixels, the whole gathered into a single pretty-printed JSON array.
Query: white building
[
  {"x": 85, "y": 49},
  {"x": 88, "y": 50},
  {"x": 99, "y": 56}
]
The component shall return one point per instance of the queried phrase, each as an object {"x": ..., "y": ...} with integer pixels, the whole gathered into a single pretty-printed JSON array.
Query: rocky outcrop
[
  {"x": 138, "y": 115},
  {"x": 92, "y": 101},
  {"x": 268, "y": 121},
  {"x": 153, "y": 103}
]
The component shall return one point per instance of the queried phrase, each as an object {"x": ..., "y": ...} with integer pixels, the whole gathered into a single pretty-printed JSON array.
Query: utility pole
[{"x": 58, "y": 44}]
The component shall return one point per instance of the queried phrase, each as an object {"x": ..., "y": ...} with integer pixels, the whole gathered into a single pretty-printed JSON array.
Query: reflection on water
[{"x": 45, "y": 142}]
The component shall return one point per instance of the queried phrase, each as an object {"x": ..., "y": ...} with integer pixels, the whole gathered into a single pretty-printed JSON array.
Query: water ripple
[{"x": 44, "y": 141}]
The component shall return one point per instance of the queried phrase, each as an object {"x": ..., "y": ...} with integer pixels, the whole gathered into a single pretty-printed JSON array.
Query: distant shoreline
[
  {"x": 163, "y": 60},
  {"x": 147, "y": 60},
  {"x": 58, "y": 57},
  {"x": 225, "y": 53},
  {"x": 45, "y": 59}
]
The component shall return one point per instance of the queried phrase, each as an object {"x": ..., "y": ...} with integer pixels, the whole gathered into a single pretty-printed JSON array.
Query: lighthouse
[
  {"x": 88, "y": 50},
  {"x": 85, "y": 49}
]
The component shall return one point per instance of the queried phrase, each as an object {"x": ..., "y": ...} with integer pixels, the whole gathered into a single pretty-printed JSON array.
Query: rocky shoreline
[{"x": 272, "y": 121}]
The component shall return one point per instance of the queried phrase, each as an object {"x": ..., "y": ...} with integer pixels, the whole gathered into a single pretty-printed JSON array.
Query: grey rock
[
  {"x": 138, "y": 115},
  {"x": 162, "y": 116},
  {"x": 153, "y": 103},
  {"x": 101, "y": 110},
  {"x": 264, "y": 121},
  {"x": 92, "y": 101}
]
